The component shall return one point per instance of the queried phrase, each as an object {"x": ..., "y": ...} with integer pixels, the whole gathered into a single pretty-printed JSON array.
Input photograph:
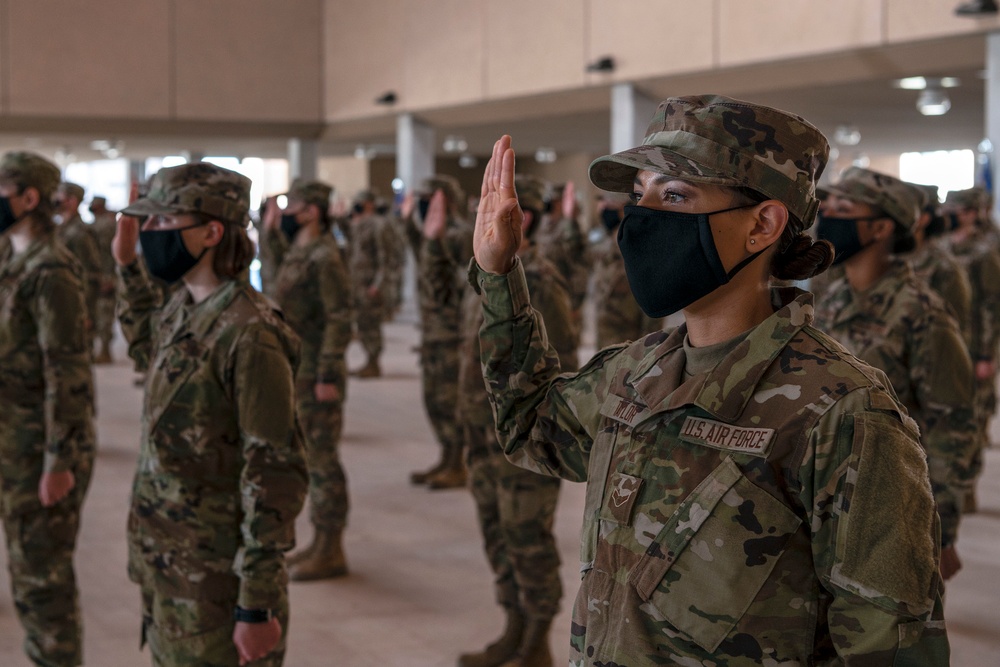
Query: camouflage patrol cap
[
  {"x": 530, "y": 192},
  {"x": 196, "y": 187},
  {"x": 898, "y": 199},
  {"x": 721, "y": 141},
  {"x": 452, "y": 190},
  {"x": 30, "y": 170},
  {"x": 971, "y": 198},
  {"x": 928, "y": 194},
  {"x": 311, "y": 192},
  {"x": 71, "y": 189},
  {"x": 365, "y": 196},
  {"x": 98, "y": 200}
]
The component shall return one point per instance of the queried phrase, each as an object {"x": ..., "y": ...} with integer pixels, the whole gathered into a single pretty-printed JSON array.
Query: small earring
[{"x": 753, "y": 241}]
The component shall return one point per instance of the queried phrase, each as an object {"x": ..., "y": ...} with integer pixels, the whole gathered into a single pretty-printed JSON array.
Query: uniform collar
[
  {"x": 875, "y": 301},
  {"x": 197, "y": 319},
  {"x": 725, "y": 391}
]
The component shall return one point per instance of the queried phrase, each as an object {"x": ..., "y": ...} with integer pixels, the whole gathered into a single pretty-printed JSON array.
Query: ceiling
[{"x": 846, "y": 88}]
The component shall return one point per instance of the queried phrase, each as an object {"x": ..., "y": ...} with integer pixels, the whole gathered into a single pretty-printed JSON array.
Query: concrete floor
[{"x": 419, "y": 591}]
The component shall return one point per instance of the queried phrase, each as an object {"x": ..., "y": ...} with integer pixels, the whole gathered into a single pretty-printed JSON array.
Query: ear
[
  {"x": 31, "y": 197},
  {"x": 770, "y": 220},
  {"x": 882, "y": 229},
  {"x": 214, "y": 232}
]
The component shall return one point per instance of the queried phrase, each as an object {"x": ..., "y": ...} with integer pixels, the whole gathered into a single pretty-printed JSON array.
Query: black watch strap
[{"x": 241, "y": 615}]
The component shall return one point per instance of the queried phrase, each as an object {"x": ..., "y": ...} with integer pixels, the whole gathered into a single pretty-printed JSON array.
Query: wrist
[{"x": 243, "y": 615}]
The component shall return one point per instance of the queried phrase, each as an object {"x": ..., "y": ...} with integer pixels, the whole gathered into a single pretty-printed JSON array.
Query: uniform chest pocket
[{"x": 713, "y": 555}]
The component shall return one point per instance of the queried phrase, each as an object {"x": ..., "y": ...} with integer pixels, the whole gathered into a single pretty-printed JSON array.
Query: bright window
[{"x": 949, "y": 170}]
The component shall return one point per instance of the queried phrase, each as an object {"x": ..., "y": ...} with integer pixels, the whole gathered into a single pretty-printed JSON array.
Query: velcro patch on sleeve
[{"x": 753, "y": 441}]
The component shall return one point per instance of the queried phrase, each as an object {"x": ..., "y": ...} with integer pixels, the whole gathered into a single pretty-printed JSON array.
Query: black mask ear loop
[{"x": 739, "y": 267}]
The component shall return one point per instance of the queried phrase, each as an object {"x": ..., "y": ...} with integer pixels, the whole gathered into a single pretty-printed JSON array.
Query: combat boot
[
  {"x": 419, "y": 477},
  {"x": 503, "y": 649},
  {"x": 369, "y": 370},
  {"x": 534, "y": 650},
  {"x": 104, "y": 356},
  {"x": 977, "y": 8},
  {"x": 326, "y": 561},
  {"x": 452, "y": 474}
]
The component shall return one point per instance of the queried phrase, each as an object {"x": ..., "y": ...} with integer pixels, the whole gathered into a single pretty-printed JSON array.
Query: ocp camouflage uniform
[
  {"x": 744, "y": 513},
  {"x": 901, "y": 327},
  {"x": 315, "y": 298},
  {"x": 221, "y": 472},
  {"x": 934, "y": 265},
  {"x": 45, "y": 427},
  {"x": 619, "y": 317},
  {"x": 516, "y": 507},
  {"x": 395, "y": 250},
  {"x": 778, "y": 480},
  {"x": 78, "y": 237},
  {"x": 368, "y": 268},
  {"x": 982, "y": 266},
  {"x": 440, "y": 294},
  {"x": 104, "y": 228},
  {"x": 561, "y": 242}
]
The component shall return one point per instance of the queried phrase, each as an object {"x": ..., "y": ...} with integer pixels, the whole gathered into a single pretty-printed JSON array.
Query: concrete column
[
  {"x": 992, "y": 101},
  {"x": 303, "y": 158},
  {"x": 630, "y": 114},
  {"x": 194, "y": 156},
  {"x": 414, "y": 151}
]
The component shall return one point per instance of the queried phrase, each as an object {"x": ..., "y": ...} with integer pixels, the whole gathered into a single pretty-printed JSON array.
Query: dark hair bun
[{"x": 803, "y": 258}]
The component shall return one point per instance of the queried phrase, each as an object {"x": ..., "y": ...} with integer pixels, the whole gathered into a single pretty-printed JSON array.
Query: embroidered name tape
[
  {"x": 623, "y": 410},
  {"x": 755, "y": 441}
]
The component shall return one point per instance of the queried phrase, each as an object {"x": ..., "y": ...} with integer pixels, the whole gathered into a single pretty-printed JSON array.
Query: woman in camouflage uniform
[
  {"x": 312, "y": 288},
  {"x": 46, "y": 429},
  {"x": 221, "y": 473},
  {"x": 746, "y": 475}
]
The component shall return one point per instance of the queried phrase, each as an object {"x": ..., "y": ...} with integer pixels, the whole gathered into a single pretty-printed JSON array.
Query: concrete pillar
[
  {"x": 992, "y": 101},
  {"x": 303, "y": 158},
  {"x": 414, "y": 151},
  {"x": 194, "y": 156},
  {"x": 630, "y": 114}
]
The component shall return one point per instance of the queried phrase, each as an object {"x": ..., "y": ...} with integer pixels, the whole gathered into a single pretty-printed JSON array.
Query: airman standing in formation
[
  {"x": 221, "y": 473},
  {"x": 884, "y": 314},
  {"x": 46, "y": 429},
  {"x": 619, "y": 318},
  {"x": 441, "y": 296},
  {"x": 369, "y": 271},
  {"x": 104, "y": 326},
  {"x": 78, "y": 237},
  {"x": 743, "y": 466},
  {"x": 970, "y": 245},
  {"x": 314, "y": 294},
  {"x": 516, "y": 507}
]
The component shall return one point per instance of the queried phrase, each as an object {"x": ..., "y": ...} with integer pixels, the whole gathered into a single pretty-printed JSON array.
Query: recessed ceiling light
[
  {"x": 933, "y": 102},
  {"x": 923, "y": 82}
]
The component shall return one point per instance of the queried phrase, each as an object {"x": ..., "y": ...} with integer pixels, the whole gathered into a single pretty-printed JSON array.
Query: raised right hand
[
  {"x": 436, "y": 223},
  {"x": 271, "y": 217},
  {"x": 499, "y": 220},
  {"x": 126, "y": 234}
]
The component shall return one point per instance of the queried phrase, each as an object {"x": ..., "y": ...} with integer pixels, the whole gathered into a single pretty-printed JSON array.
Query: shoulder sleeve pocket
[{"x": 886, "y": 548}]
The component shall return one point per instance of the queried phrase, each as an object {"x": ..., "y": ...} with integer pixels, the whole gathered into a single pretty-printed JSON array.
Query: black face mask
[
  {"x": 358, "y": 208},
  {"x": 843, "y": 234},
  {"x": 167, "y": 258},
  {"x": 937, "y": 226},
  {"x": 423, "y": 205},
  {"x": 951, "y": 221},
  {"x": 670, "y": 258},
  {"x": 610, "y": 219},
  {"x": 289, "y": 226},
  {"x": 7, "y": 217}
]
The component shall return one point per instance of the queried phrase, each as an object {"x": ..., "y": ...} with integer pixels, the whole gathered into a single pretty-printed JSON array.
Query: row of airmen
[{"x": 880, "y": 309}]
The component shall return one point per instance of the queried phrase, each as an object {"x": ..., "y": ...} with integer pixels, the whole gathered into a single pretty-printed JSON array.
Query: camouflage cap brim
[
  {"x": 142, "y": 208},
  {"x": 617, "y": 172}
]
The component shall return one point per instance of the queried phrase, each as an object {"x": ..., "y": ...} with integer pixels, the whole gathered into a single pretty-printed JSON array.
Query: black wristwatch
[{"x": 241, "y": 615}]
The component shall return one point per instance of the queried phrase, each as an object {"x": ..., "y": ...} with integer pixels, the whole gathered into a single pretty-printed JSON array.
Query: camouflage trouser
[
  {"x": 183, "y": 632},
  {"x": 104, "y": 325},
  {"x": 439, "y": 366},
  {"x": 516, "y": 510},
  {"x": 368, "y": 320},
  {"x": 986, "y": 405},
  {"x": 322, "y": 424},
  {"x": 40, "y": 545}
]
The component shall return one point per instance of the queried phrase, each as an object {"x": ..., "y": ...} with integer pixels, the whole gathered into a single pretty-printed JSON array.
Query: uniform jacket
[
  {"x": 79, "y": 238},
  {"x": 619, "y": 317},
  {"x": 747, "y": 516},
  {"x": 982, "y": 264},
  {"x": 902, "y": 328},
  {"x": 443, "y": 282},
  {"x": 560, "y": 241},
  {"x": 314, "y": 293},
  {"x": 935, "y": 265},
  {"x": 45, "y": 378},
  {"x": 369, "y": 256},
  {"x": 221, "y": 473}
]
